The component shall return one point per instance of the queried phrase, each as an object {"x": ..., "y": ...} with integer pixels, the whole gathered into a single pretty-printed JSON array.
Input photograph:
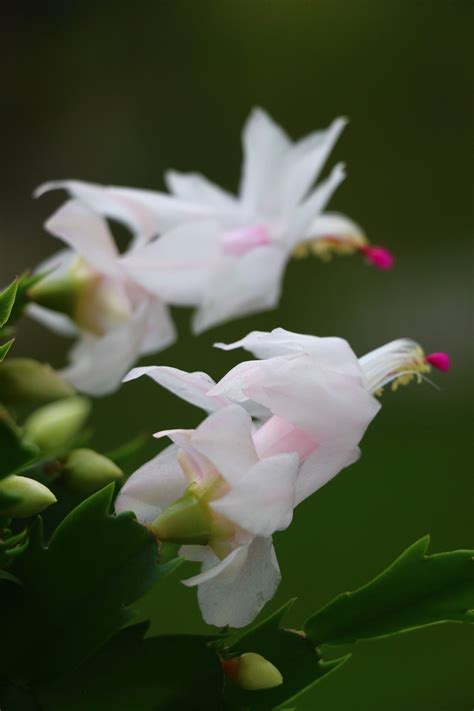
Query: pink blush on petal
[
  {"x": 238, "y": 242},
  {"x": 277, "y": 436}
]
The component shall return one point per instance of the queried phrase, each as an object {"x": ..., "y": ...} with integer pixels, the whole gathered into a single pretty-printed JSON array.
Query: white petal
[
  {"x": 59, "y": 323},
  {"x": 333, "y": 224},
  {"x": 313, "y": 205},
  {"x": 322, "y": 466},
  {"x": 242, "y": 286},
  {"x": 192, "y": 387},
  {"x": 197, "y": 554},
  {"x": 265, "y": 145},
  {"x": 330, "y": 406},
  {"x": 145, "y": 212},
  {"x": 177, "y": 266},
  {"x": 225, "y": 439},
  {"x": 153, "y": 487},
  {"x": 233, "y": 386},
  {"x": 159, "y": 329},
  {"x": 236, "y": 597},
  {"x": 262, "y": 500},
  {"x": 86, "y": 233},
  {"x": 304, "y": 163},
  {"x": 196, "y": 188},
  {"x": 332, "y": 353},
  {"x": 227, "y": 569},
  {"x": 99, "y": 364}
]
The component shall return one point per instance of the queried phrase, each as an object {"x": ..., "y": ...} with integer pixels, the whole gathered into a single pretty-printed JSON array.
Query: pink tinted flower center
[
  {"x": 237, "y": 242},
  {"x": 277, "y": 436}
]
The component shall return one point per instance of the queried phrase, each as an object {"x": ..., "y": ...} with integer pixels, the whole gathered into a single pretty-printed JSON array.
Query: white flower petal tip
[{"x": 46, "y": 188}]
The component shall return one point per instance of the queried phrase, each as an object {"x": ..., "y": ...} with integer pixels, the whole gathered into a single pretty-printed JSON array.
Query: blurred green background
[{"x": 116, "y": 92}]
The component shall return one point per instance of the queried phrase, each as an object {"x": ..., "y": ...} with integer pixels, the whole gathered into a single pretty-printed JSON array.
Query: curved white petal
[
  {"x": 264, "y": 145},
  {"x": 242, "y": 286},
  {"x": 330, "y": 406},
  {"x": 194, "y": 187},
  {"x": 225, "y": 439},
  {"x": 305, "y": 213},
  {"x": 227, "y": 569},
  {"x": 178, "y": 265},
  {"x": 160, "y": 331},
  {"x": 233, "y": 594},
  {"x": 145, "y": 212},
  {"x": 98, "y": 364},
  {"x": 303, "y": 164},
  {"x": 262, "y": 500},
  {"x": 233, "y": 388},
  {"x": 192, "y": 387},
  {"x": 196, "y": 554},
  {"x": 330, "y": 352},
  {"x": 153, "y": 487},
  {"x": 334, "y": 225},
  {"x": 322, "y": 466},
  {"x": 59, "y": 323},
  {"x": 86, "y": 233}
]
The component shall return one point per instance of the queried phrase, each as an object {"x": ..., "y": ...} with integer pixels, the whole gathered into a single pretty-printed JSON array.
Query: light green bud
[
  {"x": 86, "y": 471},
  {"x": 54, "y": 426},
  {"x": 254, "y": 672},
  {"x": 24, "y": 380},
  {"x": 63, "y": 293},
  {"x": 30, "y": 497},
  {"x": 187, "y": 521},
  {"x": 94, "y": 302}
]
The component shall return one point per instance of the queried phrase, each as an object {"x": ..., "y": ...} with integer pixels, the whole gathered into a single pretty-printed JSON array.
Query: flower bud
[
  {"x": 53, "y": 426},
  {"x": 95, "y": 302},
  {"x": 187, "y": 521},
  {"x": 62, "y": 293},
  {"x": 86, "y": 471},
  {"x": 26, "y": 380},
  {"x": 253, "y": 672},
  {"x": 29, "y": 496}
]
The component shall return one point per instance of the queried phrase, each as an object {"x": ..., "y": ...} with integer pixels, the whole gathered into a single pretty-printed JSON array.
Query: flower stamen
[{"x": 325, "y": 248}]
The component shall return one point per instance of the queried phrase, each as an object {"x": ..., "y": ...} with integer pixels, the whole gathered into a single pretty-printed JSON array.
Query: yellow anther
[{"x": 326, "y": 248}]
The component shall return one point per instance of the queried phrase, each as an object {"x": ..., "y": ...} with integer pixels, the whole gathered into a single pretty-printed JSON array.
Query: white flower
[
  {"x": 226, "y": 255},
  {"x": 313, "y": 400},
  {"x": 213, "y": 482},
  {"x": 90, "y": 295}
]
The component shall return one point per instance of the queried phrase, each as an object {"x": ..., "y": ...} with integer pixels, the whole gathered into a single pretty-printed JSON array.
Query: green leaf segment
[
  {"x": 77, "y": 589},
  {"x": 415, "y": 591},
  {"x": 71, "y": 598}
]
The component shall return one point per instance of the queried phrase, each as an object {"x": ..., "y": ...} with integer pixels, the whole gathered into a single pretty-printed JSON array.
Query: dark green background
[{"x": 119, "y": 91}]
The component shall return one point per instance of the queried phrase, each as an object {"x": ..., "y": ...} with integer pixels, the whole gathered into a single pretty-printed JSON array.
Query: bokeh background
[{"x": 117, "y": 92}]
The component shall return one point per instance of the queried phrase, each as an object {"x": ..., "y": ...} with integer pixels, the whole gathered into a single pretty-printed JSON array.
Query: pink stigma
[
  {"x": 238, "y": 242},
  {"x": 439, "y": 360},
  {"x": 379, "y": 257}
]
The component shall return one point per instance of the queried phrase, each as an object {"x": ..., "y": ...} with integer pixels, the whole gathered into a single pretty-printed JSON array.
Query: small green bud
[
  {"x": 86, "y": 471},
  {"x": 187, "y": 521},
  {"x": 26, "y": 380},
  {"x": 95, "y": 303},
  {"x": 54, "y": 426},
  {"x": 63, "y": 293},
  {"x": 30, "y": 497},
  {"x": 254, "y": 672}
]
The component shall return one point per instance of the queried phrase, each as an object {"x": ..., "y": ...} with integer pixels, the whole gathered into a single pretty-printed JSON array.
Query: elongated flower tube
[
  {"x": 312, "y": 400},
  {"x": 89, "y": 294},
  {"x": 226, "y": 254}
]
